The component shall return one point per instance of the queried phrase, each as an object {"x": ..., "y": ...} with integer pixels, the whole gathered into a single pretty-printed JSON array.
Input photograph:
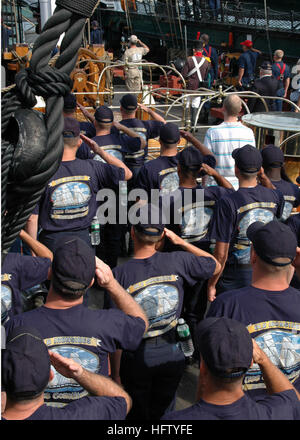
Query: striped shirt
[{"x": 221, "y": 140}]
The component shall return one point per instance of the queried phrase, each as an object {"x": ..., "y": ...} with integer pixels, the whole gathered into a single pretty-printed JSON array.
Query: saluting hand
[
  {"x": 259, "y": 356},
  {"x": 175, "y": 239},
  {"x": 104, "y": 274},
  {"x": 209, "y": 170},
  {"x": 92, "y": 144},
  {"x": 296, "y": 262},
  {"x": 65, "y": 366},
  {"x": 143, "y": 107},
  {"x": 186, "y": 135},
  {"x": 211, "y": 293}
]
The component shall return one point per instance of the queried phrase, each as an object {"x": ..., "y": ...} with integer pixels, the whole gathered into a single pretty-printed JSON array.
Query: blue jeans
[
  {"x": 215, "y": 6},
  {"x": 234, "y": 277},
  {"x": 278, "y": 102},
  {"x": 151, "y": 376}
]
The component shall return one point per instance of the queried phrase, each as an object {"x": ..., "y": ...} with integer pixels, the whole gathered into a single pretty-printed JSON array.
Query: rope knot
[{"x": 47, "y": 83}]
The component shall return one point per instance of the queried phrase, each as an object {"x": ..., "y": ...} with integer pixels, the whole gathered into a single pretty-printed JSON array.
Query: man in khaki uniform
[{"x": 133, "y": 75}]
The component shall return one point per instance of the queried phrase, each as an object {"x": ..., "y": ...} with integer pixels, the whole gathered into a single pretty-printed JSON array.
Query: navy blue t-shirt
[
  {"x": 18, "y": 273},
  {"x": 161, "y": 173},
  {"x": 87, "y": 408},
  {"x": 147, "y": 130},
  {"x": 157, "y": 284},
  {"x": 69, "y": 200},
  {"x": 85, "y": 335},
  {"x": 195, "y": 214},
  {"x": 88, "y": 129},
  {"x": 291, "y": 194},
  {"x": 236, "y": 212},
  {"x": 294, "y": 223},
  {"x": 279, "y": 406},
  {"x": 247, "y": 61},
  {"x": 211, "y": 52},
  {"x": 273, "y": 320},
  {"x": 97, "y": 36},
  {"x": 276, "y": 72},
  {"x": 113, "y": 143}
]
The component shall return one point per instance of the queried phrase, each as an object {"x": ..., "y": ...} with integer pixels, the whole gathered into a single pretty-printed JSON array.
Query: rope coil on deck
[{"x": 23, "y": 181}]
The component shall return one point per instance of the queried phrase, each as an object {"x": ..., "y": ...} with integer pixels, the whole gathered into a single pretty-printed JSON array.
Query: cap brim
[{"x": 253, "y": 228}]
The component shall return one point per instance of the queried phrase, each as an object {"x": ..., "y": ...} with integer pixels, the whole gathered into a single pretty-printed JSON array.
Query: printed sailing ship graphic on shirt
[
  {"x": 283, "y": 349},
  {"x": 70, "y": 200},
  {"x": 160, "y": 302},
  {"x": 114, "y": 153},
  {"x": 195, "y": 223},
  {"x": 287, "y": 209},
  {"x": 242, "y": 246},
  {"x": 169, "y": 183},
  {"x": 88, "y": 360},
  {"x": 6, "y": 296}
]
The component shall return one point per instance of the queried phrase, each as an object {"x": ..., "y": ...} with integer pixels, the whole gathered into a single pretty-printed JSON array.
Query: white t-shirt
[{"x": 221, "y": 141}]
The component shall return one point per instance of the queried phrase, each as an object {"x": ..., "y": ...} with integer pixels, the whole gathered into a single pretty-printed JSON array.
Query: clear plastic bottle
[
  {"x": 95, "y": 232},
  {"x": 185, "y": 338},
  {"x": 123, "y": 192}
]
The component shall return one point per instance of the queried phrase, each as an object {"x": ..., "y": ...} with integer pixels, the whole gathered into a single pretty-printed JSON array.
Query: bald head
[
  {"x": 278, "y": 54},
  {"x": 232, "y": 105}
]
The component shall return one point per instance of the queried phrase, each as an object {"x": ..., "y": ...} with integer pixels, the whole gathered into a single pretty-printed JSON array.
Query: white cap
[
  {"x": 181, "y": 321},
  {"x": 133, "y": 39}
]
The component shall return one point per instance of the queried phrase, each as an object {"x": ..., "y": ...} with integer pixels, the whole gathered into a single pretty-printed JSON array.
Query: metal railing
[{"x": 230, "y": 12}]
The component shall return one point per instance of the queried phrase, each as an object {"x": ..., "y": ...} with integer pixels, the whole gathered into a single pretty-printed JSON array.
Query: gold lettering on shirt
[
  {"x": 150, "y": 281},
  {"x": 287, "y": 325},
  {"x": 256, "y": 205},
  {"x": 167, "y": 171},
  {"x": 68, "y": 179},
  {"x": 76, "y": 340}
]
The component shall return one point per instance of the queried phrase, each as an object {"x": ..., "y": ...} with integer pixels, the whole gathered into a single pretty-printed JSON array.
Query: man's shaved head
[{"x": 232, "y": 105}]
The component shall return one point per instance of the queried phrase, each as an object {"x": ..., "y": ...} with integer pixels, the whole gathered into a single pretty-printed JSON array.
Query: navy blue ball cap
[
  {"x": 169, "y": 133},
  {"x": 225, "y": 344},
  {"x": 25, "y": 363},
  {"x": 129, "y": 102},
  {"x": 70, "y": 102},
  {"x": 247, "y": 159},
  {"x": 73, "y": 264},
  {"x": 273, "y": 242},
  {"x": 71, "y": 128},
  {"x": 104, "y": 114},
  {"x": 272, "y": 156},
  {"x": 190, "y": 158},
  {"x": 151, "y": 221}
]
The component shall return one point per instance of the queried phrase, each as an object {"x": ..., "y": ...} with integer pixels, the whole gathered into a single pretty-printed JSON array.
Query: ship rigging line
[
  {"x": 129, "y": 25},
  {"x": 179, "y": 21},
  {"x": 267, "y": 30},
  {"x": 174, "y": 22},
  {"x": 157, "y": 21},
  {"x": 170, "y": 22}
]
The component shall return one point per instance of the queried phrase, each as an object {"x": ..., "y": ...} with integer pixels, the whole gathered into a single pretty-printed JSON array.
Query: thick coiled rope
[{"x": 21, "y": 192}]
